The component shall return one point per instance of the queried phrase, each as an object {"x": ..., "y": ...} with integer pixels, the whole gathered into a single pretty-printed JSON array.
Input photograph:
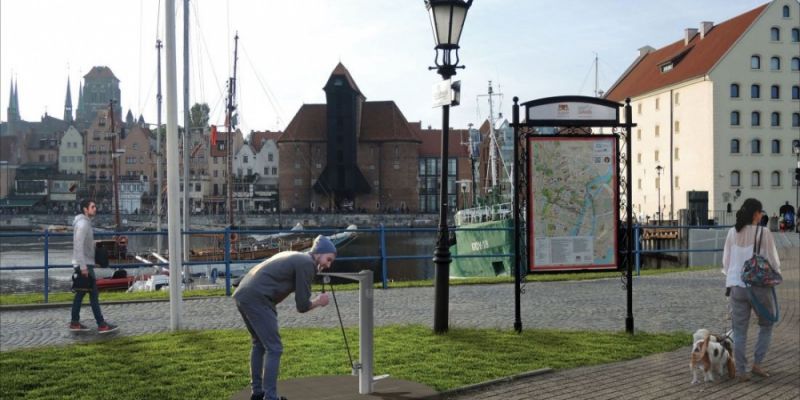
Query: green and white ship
[{"x": 483, "y": 233}]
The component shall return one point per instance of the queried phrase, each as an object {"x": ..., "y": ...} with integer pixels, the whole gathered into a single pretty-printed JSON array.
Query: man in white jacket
[{"x": 83, "y": 261}]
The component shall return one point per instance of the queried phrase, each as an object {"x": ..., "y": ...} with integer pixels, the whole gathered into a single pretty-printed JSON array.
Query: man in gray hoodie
[
  {"x": 83, "y": 262},
  {"x": 266, "y": 285}
]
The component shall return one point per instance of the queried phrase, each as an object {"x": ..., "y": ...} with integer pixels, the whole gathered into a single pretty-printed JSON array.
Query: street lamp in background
[
  {"x": 447, "y": 20},
  {"x": 658, "y": 186}
]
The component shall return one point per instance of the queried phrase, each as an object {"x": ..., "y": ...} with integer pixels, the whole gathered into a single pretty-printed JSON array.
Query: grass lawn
[
  {"x": 214, "y": 364},
  {"x": 66, "y": 297}
]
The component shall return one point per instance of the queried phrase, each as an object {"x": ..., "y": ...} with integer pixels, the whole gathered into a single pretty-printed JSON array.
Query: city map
[{"x": 574, "y": 203}]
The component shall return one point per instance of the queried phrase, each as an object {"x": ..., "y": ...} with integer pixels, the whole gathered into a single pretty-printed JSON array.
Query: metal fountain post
[{"x": 365, "y": 328}]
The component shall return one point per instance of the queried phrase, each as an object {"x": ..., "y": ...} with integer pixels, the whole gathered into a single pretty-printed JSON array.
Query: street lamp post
[
  {"x": 658, "y": 181},
  {"x": 447, "y": 20}
]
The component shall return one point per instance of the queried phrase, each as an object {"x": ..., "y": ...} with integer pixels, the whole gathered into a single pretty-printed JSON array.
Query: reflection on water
[{"x": 29, "y": 252}]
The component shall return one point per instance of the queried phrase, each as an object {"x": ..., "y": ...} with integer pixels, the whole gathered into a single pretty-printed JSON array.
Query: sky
[{"x": 288, "y": 49}]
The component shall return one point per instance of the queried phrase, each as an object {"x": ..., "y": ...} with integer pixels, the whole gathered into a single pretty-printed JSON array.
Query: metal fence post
[
  {"x": 384, "y": 267},
  {"x": 227, "y": 261},
  {"x": 46, "y": 264}
]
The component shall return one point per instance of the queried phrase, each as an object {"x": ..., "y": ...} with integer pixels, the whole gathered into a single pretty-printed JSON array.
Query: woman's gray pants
[{"x": 740, "y": 317}]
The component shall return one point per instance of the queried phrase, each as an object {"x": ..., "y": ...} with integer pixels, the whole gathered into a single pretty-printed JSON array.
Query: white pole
[
  {"x": 365, "y": 341},
  {"x": 173, "y": 204}
]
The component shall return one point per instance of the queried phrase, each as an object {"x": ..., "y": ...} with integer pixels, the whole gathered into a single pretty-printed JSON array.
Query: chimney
[
  {"x": 705, "y": 27},
  {"x": 688, "y": 35},
  {"x": 644, "y": 50}
]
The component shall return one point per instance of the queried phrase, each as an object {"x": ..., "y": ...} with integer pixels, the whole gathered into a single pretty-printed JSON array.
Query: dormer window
[{"x": 666, "y": 67}]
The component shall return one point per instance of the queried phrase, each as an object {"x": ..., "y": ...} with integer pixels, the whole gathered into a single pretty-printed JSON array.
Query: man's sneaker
[
  {"x": 78, "y": 327},
  {"x": 107, "y": 328}
]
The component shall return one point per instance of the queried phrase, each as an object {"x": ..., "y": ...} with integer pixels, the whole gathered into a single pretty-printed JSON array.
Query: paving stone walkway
[{"x": 675, "y": 302}]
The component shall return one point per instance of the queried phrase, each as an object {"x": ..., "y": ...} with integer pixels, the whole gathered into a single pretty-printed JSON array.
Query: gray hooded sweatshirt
[{"x": 82, "y": 241}]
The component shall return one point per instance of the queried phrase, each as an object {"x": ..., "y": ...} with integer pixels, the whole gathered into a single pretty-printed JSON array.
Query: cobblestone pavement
[{"x": 674, "y": 302}]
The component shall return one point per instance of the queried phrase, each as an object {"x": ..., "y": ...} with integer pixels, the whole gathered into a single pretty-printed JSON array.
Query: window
[
  {"x": 657, "y": 103},
  {"x": 755, "y": 118},
  {"x": 755, "y": 62},
  {"x": 269, "y": 157},
  {"x": 638, "y": 158},
  {"x": 795, "y": 92},
  {"x": 734, "y": 90},
  {"x": 755, "y": 91},
  {"x": 775, "y": 178},
  {"x": 274, "y": 170},
  {"x": 734, "y": 146},
  {"x": 677, "y": 98},
  {"x": 755, "y": 146},
  {"x": 735, "y": 118},
  {"x": 795, "y": 120},
  {"x": 795, "y": 63},
  {"x": 639, "y": 184},
  {"x": 775, "y": 119},
  {"x": 795, "y": 35},
  {"x": 776, "y": 146},
  {"x": 677, "y": 182},
  {"x": 755, "y": 179},
  {"x": 658, "y": 182},
  {"x": 785, "y": 11},
  {"x": 638, "y": 134},
  {"x": 775, "y": 63},
  {"x": 658, "y": 131},
  {"x": 249, "y": 171},
  {"x": 677, "y": 126},
  {"x": 266, "y": 171},
  {"x": 196, "y": 187},
  {"x": 639, "y": 108},
  {"x": 666, "y": 67},
  {"x": 676, "y": 153},
  {"x": 735, "y": 178},
  {"x": 656, "y": 155},
  {"x": 775, "y": 34},
  {"x": 245, "y": 159},
  {"x": 775, "y": 92}
]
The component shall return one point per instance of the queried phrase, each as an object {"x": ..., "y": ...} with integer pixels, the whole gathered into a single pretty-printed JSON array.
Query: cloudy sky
[{"x": 287, "y": 50}]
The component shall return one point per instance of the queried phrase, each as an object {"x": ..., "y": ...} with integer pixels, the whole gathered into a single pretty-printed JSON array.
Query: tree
[{"x": 199, "y": 115}]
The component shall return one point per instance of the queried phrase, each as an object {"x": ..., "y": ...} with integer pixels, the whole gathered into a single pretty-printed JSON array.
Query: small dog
[{"x": 710, "y": 353}]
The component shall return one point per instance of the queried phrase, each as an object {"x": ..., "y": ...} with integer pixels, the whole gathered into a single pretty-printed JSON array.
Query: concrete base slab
[{"x": 345, "y": 387}]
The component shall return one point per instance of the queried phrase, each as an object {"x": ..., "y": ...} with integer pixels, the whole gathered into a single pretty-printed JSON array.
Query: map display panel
[{"x": 574, "y": 207}]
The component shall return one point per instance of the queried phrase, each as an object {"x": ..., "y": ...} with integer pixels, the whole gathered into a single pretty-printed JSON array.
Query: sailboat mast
[
  {"x": 187, "y": 184},
  {"x": 159, "y": 156},
  {"x": 492, "y": 141},
  {"x": 114, "y": 160},
  {"x": 596, "y": 89},
  {"x": 230, "y": 126}
]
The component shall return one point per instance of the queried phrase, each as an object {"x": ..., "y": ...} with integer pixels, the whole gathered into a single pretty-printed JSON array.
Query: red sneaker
[
  {"x": 107, "y": 328},
  {"x": 78, "y": 327}
]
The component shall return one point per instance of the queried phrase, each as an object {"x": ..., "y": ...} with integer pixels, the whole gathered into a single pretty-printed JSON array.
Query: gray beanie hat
[{"x": 322, "y": 245}]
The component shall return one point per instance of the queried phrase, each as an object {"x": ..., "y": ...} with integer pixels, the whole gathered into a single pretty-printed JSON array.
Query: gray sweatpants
[
  {"x": 265, "y": 355},
  {"x": 740, "y": 318}
]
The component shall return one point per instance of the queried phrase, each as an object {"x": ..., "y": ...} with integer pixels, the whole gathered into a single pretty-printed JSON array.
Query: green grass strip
[
  {"x": 66, "y": 297},
  {"x": 214, "y": 364}
]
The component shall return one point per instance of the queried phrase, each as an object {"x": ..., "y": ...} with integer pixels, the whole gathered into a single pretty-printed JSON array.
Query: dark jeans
[{"x": 94, "y": 300}]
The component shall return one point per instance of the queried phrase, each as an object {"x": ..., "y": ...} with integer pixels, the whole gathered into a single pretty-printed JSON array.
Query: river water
[{"x": 28, "y": 251}]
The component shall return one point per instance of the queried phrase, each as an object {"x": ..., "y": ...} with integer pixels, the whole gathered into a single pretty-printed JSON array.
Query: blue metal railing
[{"x": 383, "y": 257}]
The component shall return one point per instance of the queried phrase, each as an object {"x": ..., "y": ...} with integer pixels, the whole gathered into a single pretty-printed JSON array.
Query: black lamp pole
[{"x": 447, "y": 19}]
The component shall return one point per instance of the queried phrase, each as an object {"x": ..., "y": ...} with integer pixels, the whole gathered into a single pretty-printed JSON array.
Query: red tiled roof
[
  {"x": 100, "y": 72},
  {"x": 645, "y": 74},
  {"x": 380, "y": 121},
  {"x": 257, "y": 139},
  {"x": 307, "y": 125},
  {"x": 432, "y": 143}
]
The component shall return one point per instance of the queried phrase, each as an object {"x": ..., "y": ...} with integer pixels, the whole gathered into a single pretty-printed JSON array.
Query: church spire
[
  {"x": 12, "y": 113},
  {"x": 68, "y": 104}
]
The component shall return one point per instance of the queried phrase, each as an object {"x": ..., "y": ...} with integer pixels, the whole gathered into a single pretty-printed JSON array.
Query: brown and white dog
[{"x": 710, "y": 353}]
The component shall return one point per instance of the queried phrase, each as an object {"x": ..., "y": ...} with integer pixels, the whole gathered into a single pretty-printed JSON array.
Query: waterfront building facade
[
  {"x": 348, "y": 154},
  {"x": 717, "y": 111},
  {"x": 70, "y": 152}
]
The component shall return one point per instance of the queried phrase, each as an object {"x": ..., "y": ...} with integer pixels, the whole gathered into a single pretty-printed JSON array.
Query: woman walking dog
[{"x": 744, "y": 240}]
